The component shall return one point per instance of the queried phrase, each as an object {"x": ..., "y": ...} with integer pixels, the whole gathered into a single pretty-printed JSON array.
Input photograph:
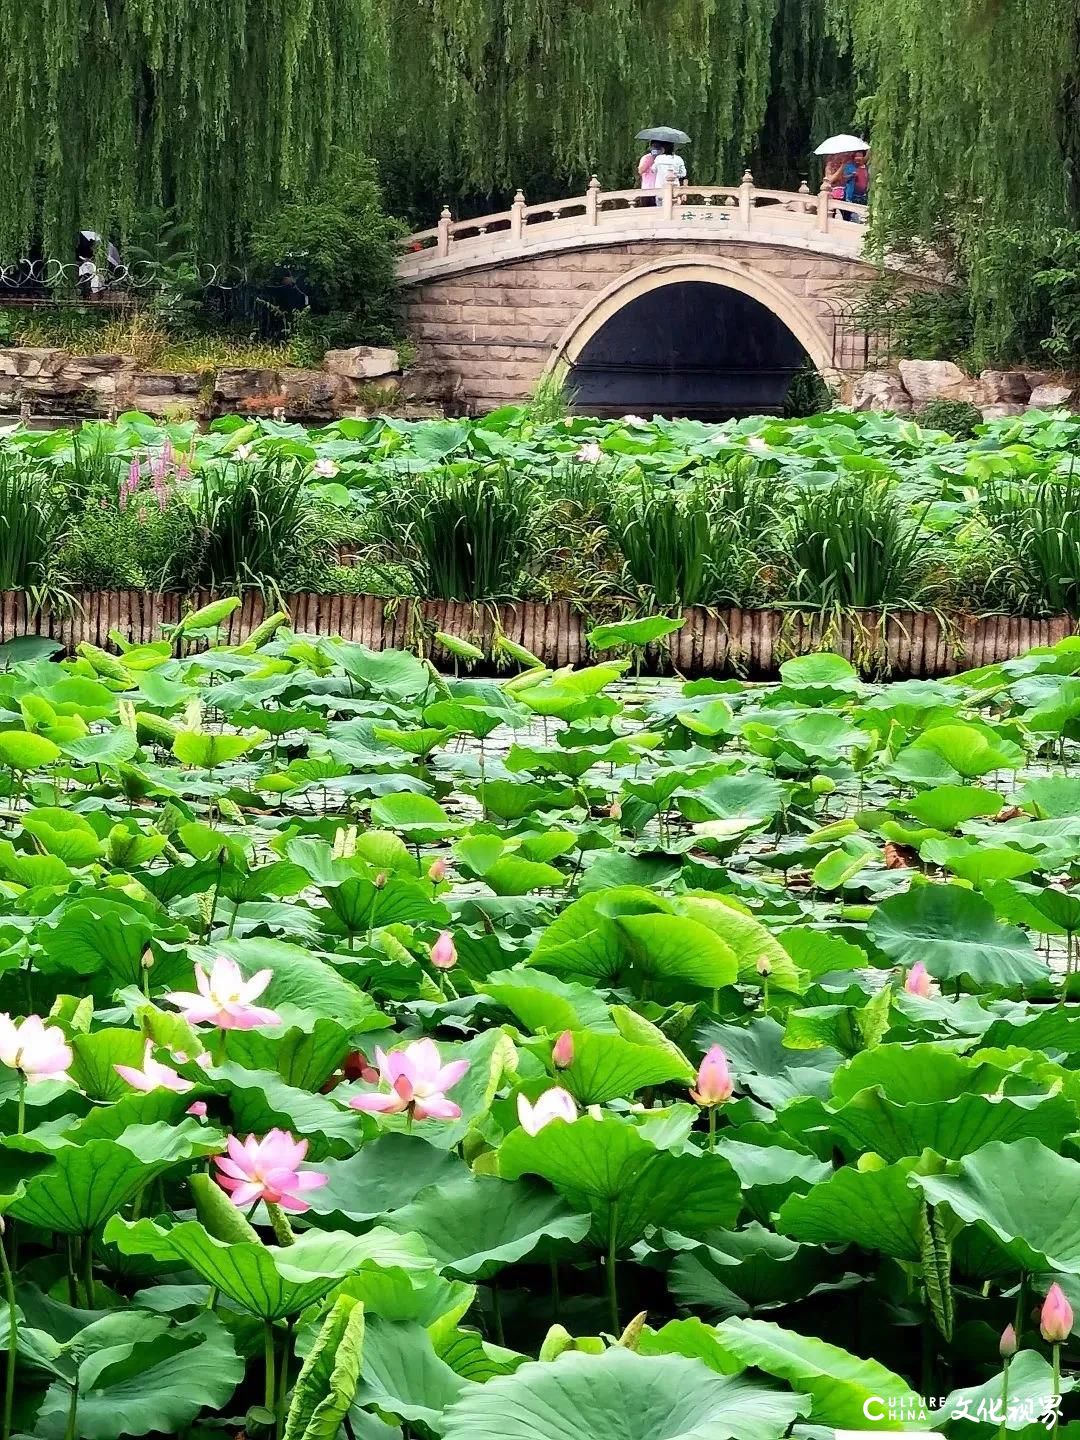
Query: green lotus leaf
[
  {"x": 838, "y": 1383},
  {"x": 956, "y": 935},
  {"x": 874, "y": 1209},
  {"x": 607, "y": 1067},
  {"x": 381, "y": 1177},
  {"x": 621, "y": 1396},
  {"x": 21, "y": 750},
  {"x": 1023, "y": 1197},
  {"x": 268, "y": 1281},
  {"x": 474, "y": 1226},
  {"x": 87, "y": 1183},
  {"x": 627, "y": 1184},
  {"x": 157, "y": 1383},
  {"x": 330, "y": 1374},
  {"x": 403, "y": 1376}
]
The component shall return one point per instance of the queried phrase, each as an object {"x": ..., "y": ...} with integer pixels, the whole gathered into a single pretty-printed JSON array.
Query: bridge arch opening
[{"x": 700, "y": 338}]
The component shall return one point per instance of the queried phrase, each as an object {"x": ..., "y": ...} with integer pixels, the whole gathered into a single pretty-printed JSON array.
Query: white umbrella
[{"x": 841, "y": 145}]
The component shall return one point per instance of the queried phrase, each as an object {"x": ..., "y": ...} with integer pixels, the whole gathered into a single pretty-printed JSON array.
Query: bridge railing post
[
  {"x": 746, "y": 199},
  {"x": 823, "y": 198},
  {"x": 442, "y": 244},
  {"x": 668, "y": 198},
  {"x": 517, "y": 215},
  {"x": 592, "y": 199}
]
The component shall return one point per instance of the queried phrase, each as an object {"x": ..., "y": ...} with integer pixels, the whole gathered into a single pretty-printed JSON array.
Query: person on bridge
[
  {"x": 645, "y": 166},
  {"x": 666, "y": 164}
]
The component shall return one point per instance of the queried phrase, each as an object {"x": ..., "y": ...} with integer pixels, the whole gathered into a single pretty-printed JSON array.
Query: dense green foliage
[
  {"x": 830, "y": 513},
  {"x": 221, "y": 112},
  {"x": 216, "y": 108},
  {"x": 566, "y": 891}
]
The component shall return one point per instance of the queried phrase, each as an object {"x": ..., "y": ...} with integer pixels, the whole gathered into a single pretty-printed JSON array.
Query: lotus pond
[
  {"x": 391, "y": 1054},
  {"x": 836, "y": 512}
]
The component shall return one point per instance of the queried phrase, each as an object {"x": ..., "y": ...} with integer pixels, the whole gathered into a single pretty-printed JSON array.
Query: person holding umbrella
[
  {"x": 847, "y": 173},
  {"x": 660, "y": 160}
]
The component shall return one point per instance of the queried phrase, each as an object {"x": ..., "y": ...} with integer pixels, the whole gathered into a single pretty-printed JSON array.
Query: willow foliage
[
  {"x": 510, "y": 89},
  {"x": 213, "y": 105},
  {"x": 971, "y": 104}
]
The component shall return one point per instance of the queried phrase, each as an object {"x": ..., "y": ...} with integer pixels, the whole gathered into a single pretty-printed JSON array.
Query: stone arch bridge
[{"x": 703, "y": 298}]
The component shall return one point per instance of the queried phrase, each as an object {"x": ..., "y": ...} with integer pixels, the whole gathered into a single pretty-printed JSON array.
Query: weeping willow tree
[
  {"x": 485, "y": 95},
  {"x": 972, "y": 107},
  {"x": 213, "y": 106}
]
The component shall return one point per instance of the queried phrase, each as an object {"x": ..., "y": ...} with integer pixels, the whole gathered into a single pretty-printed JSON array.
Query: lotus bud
[
  {"x": 1007, "y": 1345},
  {"x": 764, "y": 965},
  {"x": 379, "y": 880},
  {"x": 918, "y": 980},
  {"x": 1056, "y": 1316},
  {"x": 444, "y": 952},
  {"x": 147, "y": 959},
  {"x": 714, "y": 1083},
  {"x": 562, "y": 1052},
  {"x": 630, "y": 1339},
  {"x": 556, "y": 1342},
  {"x": 615, "y": 810},
  {"x": 437, "y": 870}
]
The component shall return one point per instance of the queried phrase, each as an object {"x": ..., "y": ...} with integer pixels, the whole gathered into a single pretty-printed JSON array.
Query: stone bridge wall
[{"x": 488, "y": 333}]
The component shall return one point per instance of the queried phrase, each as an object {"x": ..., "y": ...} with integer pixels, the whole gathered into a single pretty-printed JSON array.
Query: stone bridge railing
[{"x": 729, "y": 212}]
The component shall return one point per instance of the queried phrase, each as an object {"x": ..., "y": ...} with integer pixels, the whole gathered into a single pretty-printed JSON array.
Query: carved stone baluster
[
  {"x": 517, "y": 215},
  {"x": 592, "y": 199},
  {"x": 823, "y": 206},
  {"x": 445, "y": 221},
  {"x": 746, "y": 198}
]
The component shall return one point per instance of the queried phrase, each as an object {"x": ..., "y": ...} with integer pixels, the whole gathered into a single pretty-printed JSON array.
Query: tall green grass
[
  {"x": 251, "y": 517},
  {"x": 853, "y": 544},
  {"x": 1039, "y": 529},
  {"x": 33, "y": 518},
  {"x": 460, "y": 536}
]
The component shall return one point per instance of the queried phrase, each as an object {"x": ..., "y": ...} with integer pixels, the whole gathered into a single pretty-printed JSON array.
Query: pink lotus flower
[
  {"x": 1056, "y": 1316},
  {"x": 714, "y": 1083},
  {"x": 224, "y": 997},
  {"x": 417, "y": 1081},
  {"x": 437, "y": 870},
  {"x": 153, "y": 1075},
  {"x": 444, "y": 952},
  {"x": 197, "y": 1108},
  {"x": 38, "y": 1050},
  {"x": 918, "y": 981},
  {"x": 554, "y": 1104},
  {"x": 267, "y": 1170},
  {"x": 562, "y": 1052},
  {"x": 1007, "y": 1345}
]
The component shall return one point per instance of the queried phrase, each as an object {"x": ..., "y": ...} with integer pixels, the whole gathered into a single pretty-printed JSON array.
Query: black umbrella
[{"x": 665, "y": 134}]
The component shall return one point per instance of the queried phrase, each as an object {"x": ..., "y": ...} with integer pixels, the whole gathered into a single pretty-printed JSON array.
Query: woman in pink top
[{"x": 645, "y": 167}]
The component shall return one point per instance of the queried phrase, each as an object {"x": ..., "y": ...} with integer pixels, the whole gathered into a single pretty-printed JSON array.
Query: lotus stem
[
  {"x": 279, "y": 1221},
  {"x": 269, "y": 1387},
  {"x": 1004, "y": 1400},
  {"x": 13, "y": 1340},
  {"x": 88, "y": 1268},
  {"x": 72, "y": 1412},
  {"x": 1055, "y": 1361},
  {"x": 21, "y": 1121},
  {"x": 712, "y": 1128},
  {"x": 496, "y": 1312},
  {"x": 612, "y": 1282}
]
